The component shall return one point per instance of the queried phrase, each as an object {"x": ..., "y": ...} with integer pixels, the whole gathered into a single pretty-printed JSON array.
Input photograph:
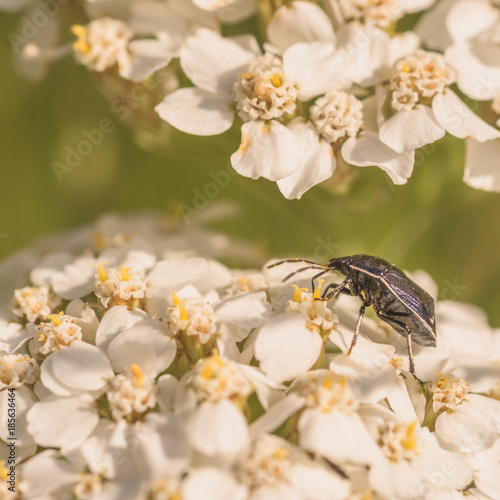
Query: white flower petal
[
  {"x": 228, "y": 435},
  {"x": 299, "y": 22},
  {"x": 430, "y": 26},
  {"x": 365, "y": 51},
  {"x": 76, "y": 368},
  {"x": 467, "y": 429},
  {"x": 161, "y": 445},
  {"x": 210, "y": 483},
  {"x": 268, "y": 149},
  {"x": 481, "y": 165},
  {"x": 213, "y": 62},
  {"x": 196, "y": 111},
  {"x": 315, "y": 482},
  {"x": 411, "y": 6},
  {"x": 237, "y": 11},
  {"x": 318, "y": 161},
  {"x": 367, "y": 149},
  {"x": 458, "y": 120},
  {"x": 408, "y": 130},
  {"x": 475, "y": 79},
  {"x": 147, "y": 56},
  {"x": 403, "y": 44},
  {"x": 468, "y": 18},
  {"x": 114, "y": 321},
  {"x": 315, "y": 68},
  {"x": 24, "y": 401},
  {"x": 246, "y": 310},
  {"x": 45, "y": 473},
  {"x": 144, "y": 344},
  {"x": 277, "y": 414},
  {"x": 338, "y": 437},
  {"x": 64, "y": 423},
  {"x": 488, "y": 481},
  {"x": 172, "y": 275},
  {"x": 397, "y": 480},
  {"x": 285, "y": 347}
]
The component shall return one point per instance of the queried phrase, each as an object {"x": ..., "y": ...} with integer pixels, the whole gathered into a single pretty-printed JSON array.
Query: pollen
[
  {"x": 277, "y": 80},
  {"x": 81, "y": 45},
  {"x": 55, "y": 318},
  {"x": 125, "y": 272},
  {"x": 180, "y": 306},
  {"x": 102, "y": 272},
  {"x": 410, "y": 441},
  {"x": 297, "y": 293},
  {"x": 137, "y": 373},
  {"x": 3, "y": 470}
]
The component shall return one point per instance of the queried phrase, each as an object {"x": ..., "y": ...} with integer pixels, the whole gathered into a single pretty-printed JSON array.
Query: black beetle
[{"x": 396, "y": 299}]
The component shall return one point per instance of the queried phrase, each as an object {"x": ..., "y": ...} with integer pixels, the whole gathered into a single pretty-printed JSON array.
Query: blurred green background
[{"x": 435, "y": 222}]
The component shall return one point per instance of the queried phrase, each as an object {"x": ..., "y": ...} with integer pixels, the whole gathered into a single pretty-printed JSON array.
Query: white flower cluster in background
[
  {"x": 145, "y": 371},
  {"x": 333, "y": 81}
]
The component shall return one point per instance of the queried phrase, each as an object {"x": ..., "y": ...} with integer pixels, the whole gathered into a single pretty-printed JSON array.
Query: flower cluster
[
  {"x": 333, "y": 81},
  {"x": 145, "y": 371}
]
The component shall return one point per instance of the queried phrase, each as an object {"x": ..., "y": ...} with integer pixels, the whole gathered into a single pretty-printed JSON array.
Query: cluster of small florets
[
  {"x": 418, "y": 78},
  {"x": 237, "y": 380},
  {"x": 382, "y": 13},
  {"x": 263, "y": 91},
  {"x": 322, "y": 83}
]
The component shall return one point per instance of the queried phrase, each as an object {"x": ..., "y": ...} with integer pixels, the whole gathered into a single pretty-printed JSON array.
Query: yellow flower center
[
  {"x": 180, "y": 306},
  {"x": 81, "y": 45},
  {"x": 137, "y": 373},
  {"x": 55, "y": 318}
]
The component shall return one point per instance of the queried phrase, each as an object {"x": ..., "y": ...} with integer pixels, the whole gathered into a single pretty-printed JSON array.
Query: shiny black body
[{"x": 396, "y": 299}]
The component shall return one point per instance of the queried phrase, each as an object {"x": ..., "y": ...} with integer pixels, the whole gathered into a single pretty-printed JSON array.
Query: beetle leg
[
  {"x": 358, "y": 326},
  {"x": 337, "y": 288},
  {"x": 412, "y": 363},
  {"x": 315, "y": 277}
]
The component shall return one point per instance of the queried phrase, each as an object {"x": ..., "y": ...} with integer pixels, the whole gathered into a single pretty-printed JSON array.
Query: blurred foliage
[{"x": 435, "y": 222}]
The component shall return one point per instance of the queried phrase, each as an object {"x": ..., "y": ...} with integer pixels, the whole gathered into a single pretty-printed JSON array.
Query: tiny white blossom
[
  {"x": 34, "y": 302},
  {"x": 17, "y": 369},
  {"x": 60, "y": 332},
  {"x": 131, "y": 395}
]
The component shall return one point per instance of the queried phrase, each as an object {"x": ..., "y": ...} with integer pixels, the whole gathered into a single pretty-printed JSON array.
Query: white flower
[
  {"x": 271, "y": 467},
  {"x": 131, "y": 395},
  {"x": 264, "y": 90},
  {"x": 17, "y": 369},
  {"x": 119, "y": 286},
  {"x": 299, "y": 22},
  {"x": 465, "y": 422},
  {"x": 437, "y": 109},
  {"x": 102, "y": 43},
  {"x": 289, "y": 344},
  {"x": 381, "y": 13},
  {"x": 60, "y": 332},
  {"x": 229, "y": 11},
  {"x": 336, "y": 115},
  {"x": 106, "y": 42},
  {"x": 414, "y": 464},
  {"x": 221, "y": 390},
  {"x": 34, "y": 303}
]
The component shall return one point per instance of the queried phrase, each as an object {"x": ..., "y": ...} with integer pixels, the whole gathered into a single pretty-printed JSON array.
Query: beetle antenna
[
  {"x": 295, "y": 260},
  {"x": 300, "y": 270}
]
